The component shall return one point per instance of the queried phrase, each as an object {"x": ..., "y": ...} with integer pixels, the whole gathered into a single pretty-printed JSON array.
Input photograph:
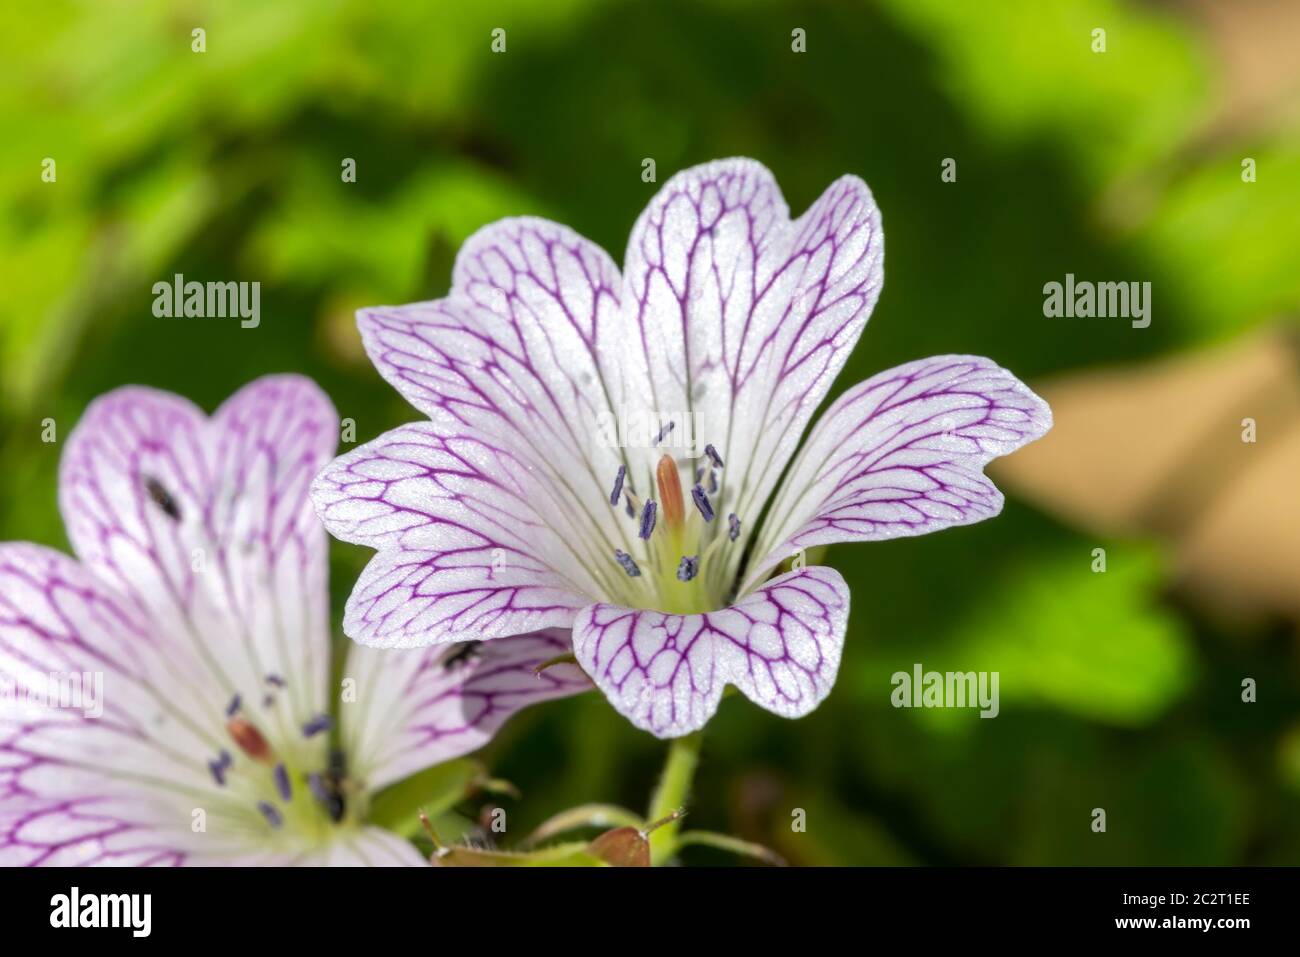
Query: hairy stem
[{"x": 672, "y": 793}]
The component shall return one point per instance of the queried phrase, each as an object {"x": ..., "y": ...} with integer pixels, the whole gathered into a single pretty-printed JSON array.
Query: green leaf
[{"x": 1092, "y": 643}]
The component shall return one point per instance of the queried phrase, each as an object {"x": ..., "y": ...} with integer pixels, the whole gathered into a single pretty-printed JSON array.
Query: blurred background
[{"x": 1120, "y": 689}]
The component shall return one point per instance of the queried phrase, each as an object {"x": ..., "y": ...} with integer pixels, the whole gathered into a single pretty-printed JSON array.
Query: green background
[{"x": 225, "y": 165}]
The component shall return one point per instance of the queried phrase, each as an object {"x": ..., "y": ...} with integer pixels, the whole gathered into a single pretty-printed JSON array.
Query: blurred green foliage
[{"x": 226, "y": 165}]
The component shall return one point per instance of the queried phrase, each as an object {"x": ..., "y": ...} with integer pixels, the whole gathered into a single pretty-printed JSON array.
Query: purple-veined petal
[
  {"x": 205, "y": 524},
  {"x": 89, "y": 780},
  {"x": 902, "y": 454},
  {"x": 418, "y": 707},
  {"x": 465, "y": 555},
  {"x": 665, "y": 673},
  {"x": 521, "y": 355},
  {"x": 81, "y": 831},
  {"x": 743, "y": 317}
]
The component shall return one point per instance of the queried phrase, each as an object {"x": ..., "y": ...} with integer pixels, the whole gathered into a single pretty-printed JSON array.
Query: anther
[
  {"x": 218, "y": 772},
  {"x": 625, "y": 560},
  {"x": 249, "y": 739},
  {"x": 702, "y": 503},
  {"x": 670, "y": 492},
  {"x": 269, "y": 812},
  {"x": 618, "y": 485},
  {"x": 648, "y": 513},
  {"x": 316, "y": 784},
  {"x": 734, "y": 526},
  {"x": 282, "y": 782},
  {"x": 713, "y": 455},
  {"x": 663, "y": 433},
  {"x": 322, "y": 722},
  {"x": 276, "y": 680},
  {"x": 689, "y": 568},
  {"x": 231, "y": 708}
]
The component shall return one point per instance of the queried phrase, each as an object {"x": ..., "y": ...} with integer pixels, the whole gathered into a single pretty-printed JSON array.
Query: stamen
[
  {"x": 648, "y": 513},
  {"x": 618, "y": 485},
  {"x": 689, "y": 568},
  {"x": 316, "y": 784},
  {"x": 282, "y": 782},
  {"x": 272, "y": 815},
  {"x": 322, "y": 722},
  {"x": 625, "y": 560},
  {"x": 670, "y": 492},
  {"x": 231, "y": 708},
  {"x": 734, "y": 524},
  {"x": 702, "y": 503},
  {"x": 249, "y": 739},
  {"x": 713, "y": 455},
  {"x": 663, "y": 433}
]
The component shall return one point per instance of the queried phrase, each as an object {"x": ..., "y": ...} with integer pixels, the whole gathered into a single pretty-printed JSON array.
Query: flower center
[
  {"x": 678, "y": 548},
  {"x": 299, "y": 790}
]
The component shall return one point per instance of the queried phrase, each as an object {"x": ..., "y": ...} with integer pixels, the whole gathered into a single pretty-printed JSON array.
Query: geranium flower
[
  {"x": 518, "y": 507},
  {"x": 199, "y": 600}
]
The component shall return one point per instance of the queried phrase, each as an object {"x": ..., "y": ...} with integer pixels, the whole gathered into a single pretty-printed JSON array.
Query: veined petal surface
[{"x": 779, "y": 645}]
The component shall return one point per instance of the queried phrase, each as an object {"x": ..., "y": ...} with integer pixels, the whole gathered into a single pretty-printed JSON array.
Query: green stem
[{"x": 673, "y": 790}]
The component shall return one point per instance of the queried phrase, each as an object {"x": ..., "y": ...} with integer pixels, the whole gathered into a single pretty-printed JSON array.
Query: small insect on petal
[
  {"x": 162, "y": 498},
  {"x": 327, "y": 792},
  {"x": 463, "y": 654}
]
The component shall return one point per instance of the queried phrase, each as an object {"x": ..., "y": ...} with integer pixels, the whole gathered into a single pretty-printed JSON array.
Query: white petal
[
  {"x": 902, "y": 454},
  {"x": 418, "y": 707},
  {"x": 666, "y": 673},
  {"x": 742, "y": 317},
  {"x": 207, "y": 527}
]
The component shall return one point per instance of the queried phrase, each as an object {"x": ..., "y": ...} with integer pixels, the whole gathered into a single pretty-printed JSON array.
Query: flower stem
[{"x": 673, "y": 790}]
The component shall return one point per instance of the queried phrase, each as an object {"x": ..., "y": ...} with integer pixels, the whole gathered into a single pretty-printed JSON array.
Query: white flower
[
  {"x": 169, "y": 696},
  {"x": 512, "y": 510}
]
